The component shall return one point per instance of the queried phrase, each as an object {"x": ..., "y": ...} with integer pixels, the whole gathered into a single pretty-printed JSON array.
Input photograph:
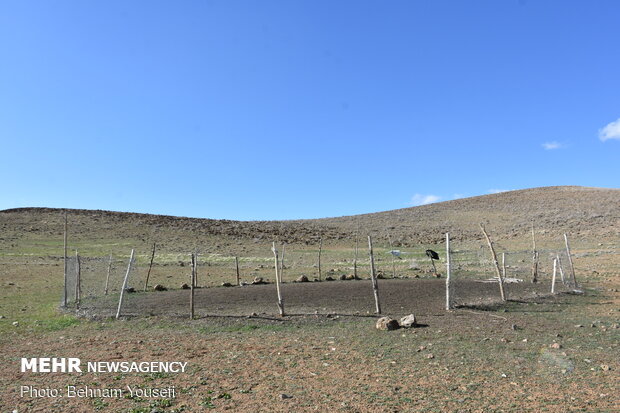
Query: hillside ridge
[{"x": 588, "y": 212}]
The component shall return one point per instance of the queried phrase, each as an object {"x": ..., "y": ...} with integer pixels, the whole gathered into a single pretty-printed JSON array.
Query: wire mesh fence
[{"x": 95, "y": 284}]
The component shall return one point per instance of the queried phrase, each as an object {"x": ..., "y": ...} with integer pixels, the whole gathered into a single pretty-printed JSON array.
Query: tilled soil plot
[{"x": 419, "y": 296}]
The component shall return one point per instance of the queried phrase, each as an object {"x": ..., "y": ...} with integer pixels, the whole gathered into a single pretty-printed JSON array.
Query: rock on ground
[
  {"x": 387, "y": 323},
  {"x": 408, "y": 321}
]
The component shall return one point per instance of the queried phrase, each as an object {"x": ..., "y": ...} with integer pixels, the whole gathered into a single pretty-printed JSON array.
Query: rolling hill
[{"x": 590, "y": 214}]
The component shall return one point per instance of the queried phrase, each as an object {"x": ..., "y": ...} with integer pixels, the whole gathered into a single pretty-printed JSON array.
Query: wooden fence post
[
  {"x": 280, "y": 300},
  {"x": 64, "y": 300},
  {"x": 356, "y": 248},
  {"x": 120, "y": 300},
  {"x": 448, "y": 274},
  {"x": 320, "y": 250},
  {"x": 148, "y": 274},
  {"x": 561, "y": 269},
  {"x": 534, "y": 258},
  {"x": 238, "y": 275},
  {"x": 195, "y": 269},
  {"x": 191, "y": 288},
  {"x": 373, "y": 277},
  {"x": 78, "y": 280},
  {"x": 570, "y": 262},
  {"x": 555, "y": 268},
  {"x": 494, "y": 256},
  {"x": 107, "y": 278},
  {"x": 504, "y": 265}
]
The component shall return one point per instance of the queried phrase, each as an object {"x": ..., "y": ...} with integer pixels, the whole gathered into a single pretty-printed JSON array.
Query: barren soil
[{"x": 422, "y": 296}]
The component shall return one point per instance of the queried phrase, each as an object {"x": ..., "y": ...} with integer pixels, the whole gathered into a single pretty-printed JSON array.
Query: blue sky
[{"x": 303, "y": 109}]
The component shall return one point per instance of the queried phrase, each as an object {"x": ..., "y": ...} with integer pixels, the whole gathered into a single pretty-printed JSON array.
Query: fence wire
[{"x": 471, "y": 268}]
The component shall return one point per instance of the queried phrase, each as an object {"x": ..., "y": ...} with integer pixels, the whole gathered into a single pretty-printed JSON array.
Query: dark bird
[{"x": 433, "y": 256}]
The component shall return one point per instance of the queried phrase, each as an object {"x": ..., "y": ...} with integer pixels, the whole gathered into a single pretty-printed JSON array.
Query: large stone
[
  {"x": 408, "y": 321},
  {"x": 302, "y": 279},
  {"x": 258, "y": 280},
  {"x": 387, "y": 323},
  {"x": 185, "y": 287},
  {"x": 159, "y": 287}
]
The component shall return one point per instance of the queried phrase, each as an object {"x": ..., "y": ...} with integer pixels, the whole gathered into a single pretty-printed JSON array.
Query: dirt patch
[{"x": 398, "y": 297}]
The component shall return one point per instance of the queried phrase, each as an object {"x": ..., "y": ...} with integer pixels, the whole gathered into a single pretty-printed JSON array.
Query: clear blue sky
[{"x": 302, "y": 109}]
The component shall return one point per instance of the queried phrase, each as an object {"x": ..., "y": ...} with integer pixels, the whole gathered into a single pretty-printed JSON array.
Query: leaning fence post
[
  {"x": 280, "y": 300},
  {"x": 107, "y": 278},
  {"x": 494, "y": 256},
  {"x": 373, "y": 277},
  {"x": 570, "y": 262},
  {"x": 448, "y": 275},
  {"x": 148, "y": 274},
  {"x": 561, "y": 269},
  {"x": 120, "y": 300}
]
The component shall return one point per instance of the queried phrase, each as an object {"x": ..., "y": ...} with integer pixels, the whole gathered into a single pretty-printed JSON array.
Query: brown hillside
[{"x": 587, "y": 213}]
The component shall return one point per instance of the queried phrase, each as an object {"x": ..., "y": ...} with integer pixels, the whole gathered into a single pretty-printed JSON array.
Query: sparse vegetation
[{"x": 532, "y": 355}]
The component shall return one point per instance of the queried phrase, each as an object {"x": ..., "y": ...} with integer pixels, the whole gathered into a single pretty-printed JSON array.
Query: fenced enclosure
[{"x": 323, "y": 280}]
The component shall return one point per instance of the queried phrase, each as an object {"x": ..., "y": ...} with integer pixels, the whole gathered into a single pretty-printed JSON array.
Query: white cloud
[
  {"x": 497, "y": 191},
  {"x": 419, "y": 199},
  {"x": 611, "y": 131},
  {"x": 552, "y": 145}
]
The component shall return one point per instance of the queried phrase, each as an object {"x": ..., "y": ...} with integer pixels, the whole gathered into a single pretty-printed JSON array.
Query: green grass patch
[{"x": 60, "y": 323}]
